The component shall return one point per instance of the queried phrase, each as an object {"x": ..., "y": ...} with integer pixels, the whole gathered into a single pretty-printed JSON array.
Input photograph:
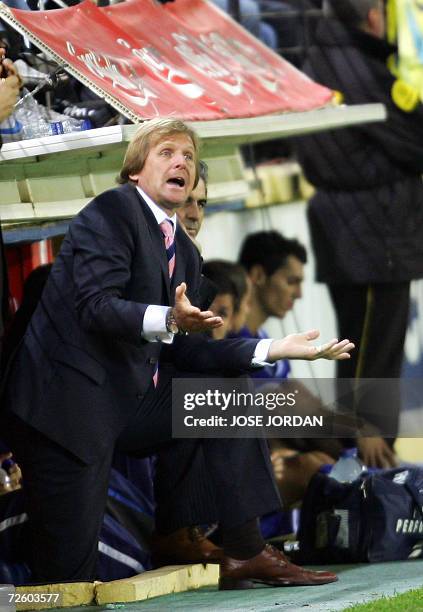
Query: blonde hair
[{"x": 149, "y": 134}]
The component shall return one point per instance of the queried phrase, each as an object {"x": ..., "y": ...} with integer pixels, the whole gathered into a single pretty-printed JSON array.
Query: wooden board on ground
[
  {"x": 42, "y": 597},
  {"x": 163, "y": 581}
]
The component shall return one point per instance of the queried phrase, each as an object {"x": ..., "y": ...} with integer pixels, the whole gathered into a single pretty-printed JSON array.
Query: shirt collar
[{"x": 158, "y": 213}]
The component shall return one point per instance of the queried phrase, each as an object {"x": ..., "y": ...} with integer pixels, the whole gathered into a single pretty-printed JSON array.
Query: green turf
[
  {"x": 406, "y": 602},
  {"x": 357, "y": 584}
]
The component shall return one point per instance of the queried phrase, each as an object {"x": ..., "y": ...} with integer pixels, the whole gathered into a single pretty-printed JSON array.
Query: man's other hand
[
  {"x": 188, "y": 317},
  {"x": 376, "y": 453},
  {"x": 9, "y": 92},
  {"x": 298, "y": 346},
  {"x": 9, "y": 69}
]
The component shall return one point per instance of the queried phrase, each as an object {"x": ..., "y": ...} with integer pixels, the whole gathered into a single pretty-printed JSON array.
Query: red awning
[{"x": 185, "y": 59}]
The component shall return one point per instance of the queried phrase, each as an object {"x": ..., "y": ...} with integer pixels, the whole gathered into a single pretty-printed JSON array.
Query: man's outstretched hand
[
  {"x": 298, "y": 346},
  {"x": 188, "y": 317}
]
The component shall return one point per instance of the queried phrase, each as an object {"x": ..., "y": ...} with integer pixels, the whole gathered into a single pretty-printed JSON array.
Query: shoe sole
[
  {"x": 162, "y": 562},
  {"x": 230, "y": 584}
]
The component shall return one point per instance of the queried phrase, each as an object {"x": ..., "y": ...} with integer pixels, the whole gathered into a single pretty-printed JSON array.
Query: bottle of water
[
  {"x": 348, "y": 467},
  {"x": 32, "y": 118},
  {"x": 36, "y": 122},
  {"x": 36, "y": 128},
  {"x": 68, "y": 125}
]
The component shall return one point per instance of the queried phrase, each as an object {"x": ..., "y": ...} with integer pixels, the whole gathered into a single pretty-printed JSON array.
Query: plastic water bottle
[
  {"x": 348, "y": 467},
  {"x": 36, "y": 128},
  {"x": 68, "y": 125},
  {"x": 36, "y": 122}
]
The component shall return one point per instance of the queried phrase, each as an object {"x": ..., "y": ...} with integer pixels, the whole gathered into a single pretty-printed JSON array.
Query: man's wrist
[{"x": 171, "y": 324}]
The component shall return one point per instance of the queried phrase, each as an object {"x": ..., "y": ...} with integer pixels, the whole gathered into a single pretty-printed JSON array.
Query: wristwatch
[{"x": 171, "y": 325}]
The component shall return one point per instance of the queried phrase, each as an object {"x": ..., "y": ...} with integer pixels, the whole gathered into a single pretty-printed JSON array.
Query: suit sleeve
[
  {"x": 200, "y": 354},
  {"x": 104, "y": 238}
]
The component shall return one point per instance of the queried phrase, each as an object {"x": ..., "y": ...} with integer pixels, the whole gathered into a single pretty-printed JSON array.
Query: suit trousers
[
  {"x": 375, "y": 318},
  {"x": 197, "y": 481}
]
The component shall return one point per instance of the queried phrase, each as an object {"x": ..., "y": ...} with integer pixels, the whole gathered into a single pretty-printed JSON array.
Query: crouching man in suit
[{"x": 87, "y": 378}]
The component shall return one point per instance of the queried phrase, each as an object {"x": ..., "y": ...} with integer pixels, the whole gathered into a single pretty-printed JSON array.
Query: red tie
[{"x": 166, "y": 228}]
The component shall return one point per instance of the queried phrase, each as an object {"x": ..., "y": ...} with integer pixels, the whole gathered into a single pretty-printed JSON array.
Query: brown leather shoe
[
  {"x": 187, "y": 545},
  {"x": 269, "y": 567}
]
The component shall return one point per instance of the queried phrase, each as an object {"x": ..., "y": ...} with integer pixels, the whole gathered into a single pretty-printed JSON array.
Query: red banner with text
[{"x": 185, "y": 59}]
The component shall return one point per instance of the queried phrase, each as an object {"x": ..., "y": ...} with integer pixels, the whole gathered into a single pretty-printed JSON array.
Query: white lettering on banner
[
  {"x": 103, "y": 67},
  {"x": 198, "y": 52},
  {"x": 151, "y": 57},
  {"x": 243, "y": 54}
]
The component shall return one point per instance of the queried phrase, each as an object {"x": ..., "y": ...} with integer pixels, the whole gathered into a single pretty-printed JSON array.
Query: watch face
[
  {"x": 173, "y": 328},
  {"x": 171, "y": 325}
]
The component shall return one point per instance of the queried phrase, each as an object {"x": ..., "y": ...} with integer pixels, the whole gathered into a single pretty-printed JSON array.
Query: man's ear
[
  {"x": 376, "y": 22},
  {"x": 257, "y": 275}
]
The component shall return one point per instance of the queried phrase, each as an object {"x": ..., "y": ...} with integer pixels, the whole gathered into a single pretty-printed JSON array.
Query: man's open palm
[
  {"x": 298, "y": 346},
  {"x": 188, "y": 317}
]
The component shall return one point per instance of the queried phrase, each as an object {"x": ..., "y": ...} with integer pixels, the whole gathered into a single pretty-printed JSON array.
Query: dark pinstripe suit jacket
[{"x": 83, "y": 368}]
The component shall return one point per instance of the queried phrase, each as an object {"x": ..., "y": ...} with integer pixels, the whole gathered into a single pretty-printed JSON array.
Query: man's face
[
  {"x": 191, "y": 213},
  {"x": 169, "y": 171},
  {"x": 223, "y": 306},
  {"x": 376, "y": 20},
  {"x": 278, "y": 292}
]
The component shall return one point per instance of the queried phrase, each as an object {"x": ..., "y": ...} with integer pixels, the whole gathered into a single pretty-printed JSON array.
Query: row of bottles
[{"x": 35, "y": 121}]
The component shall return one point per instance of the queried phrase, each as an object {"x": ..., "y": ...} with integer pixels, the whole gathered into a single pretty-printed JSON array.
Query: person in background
[
  {"x": 191, "y": 213},
  {"x": 227, "y": 277},
  {"x": 366, "y": 217},
  {"x": 275, "y": 268},
  {"x": 251, "y": 19}
]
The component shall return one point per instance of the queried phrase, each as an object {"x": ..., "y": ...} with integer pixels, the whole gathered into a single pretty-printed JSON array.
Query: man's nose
[
  {"x": 298, "y": 292},
  {"x": 179, "y": 159},
  {"x": 193, "y": 211}
]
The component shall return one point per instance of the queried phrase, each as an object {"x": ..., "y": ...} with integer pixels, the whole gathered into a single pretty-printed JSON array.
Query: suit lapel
[
  {"x": 179, "y": 275},
  {"x": 159, "y": 250}
]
